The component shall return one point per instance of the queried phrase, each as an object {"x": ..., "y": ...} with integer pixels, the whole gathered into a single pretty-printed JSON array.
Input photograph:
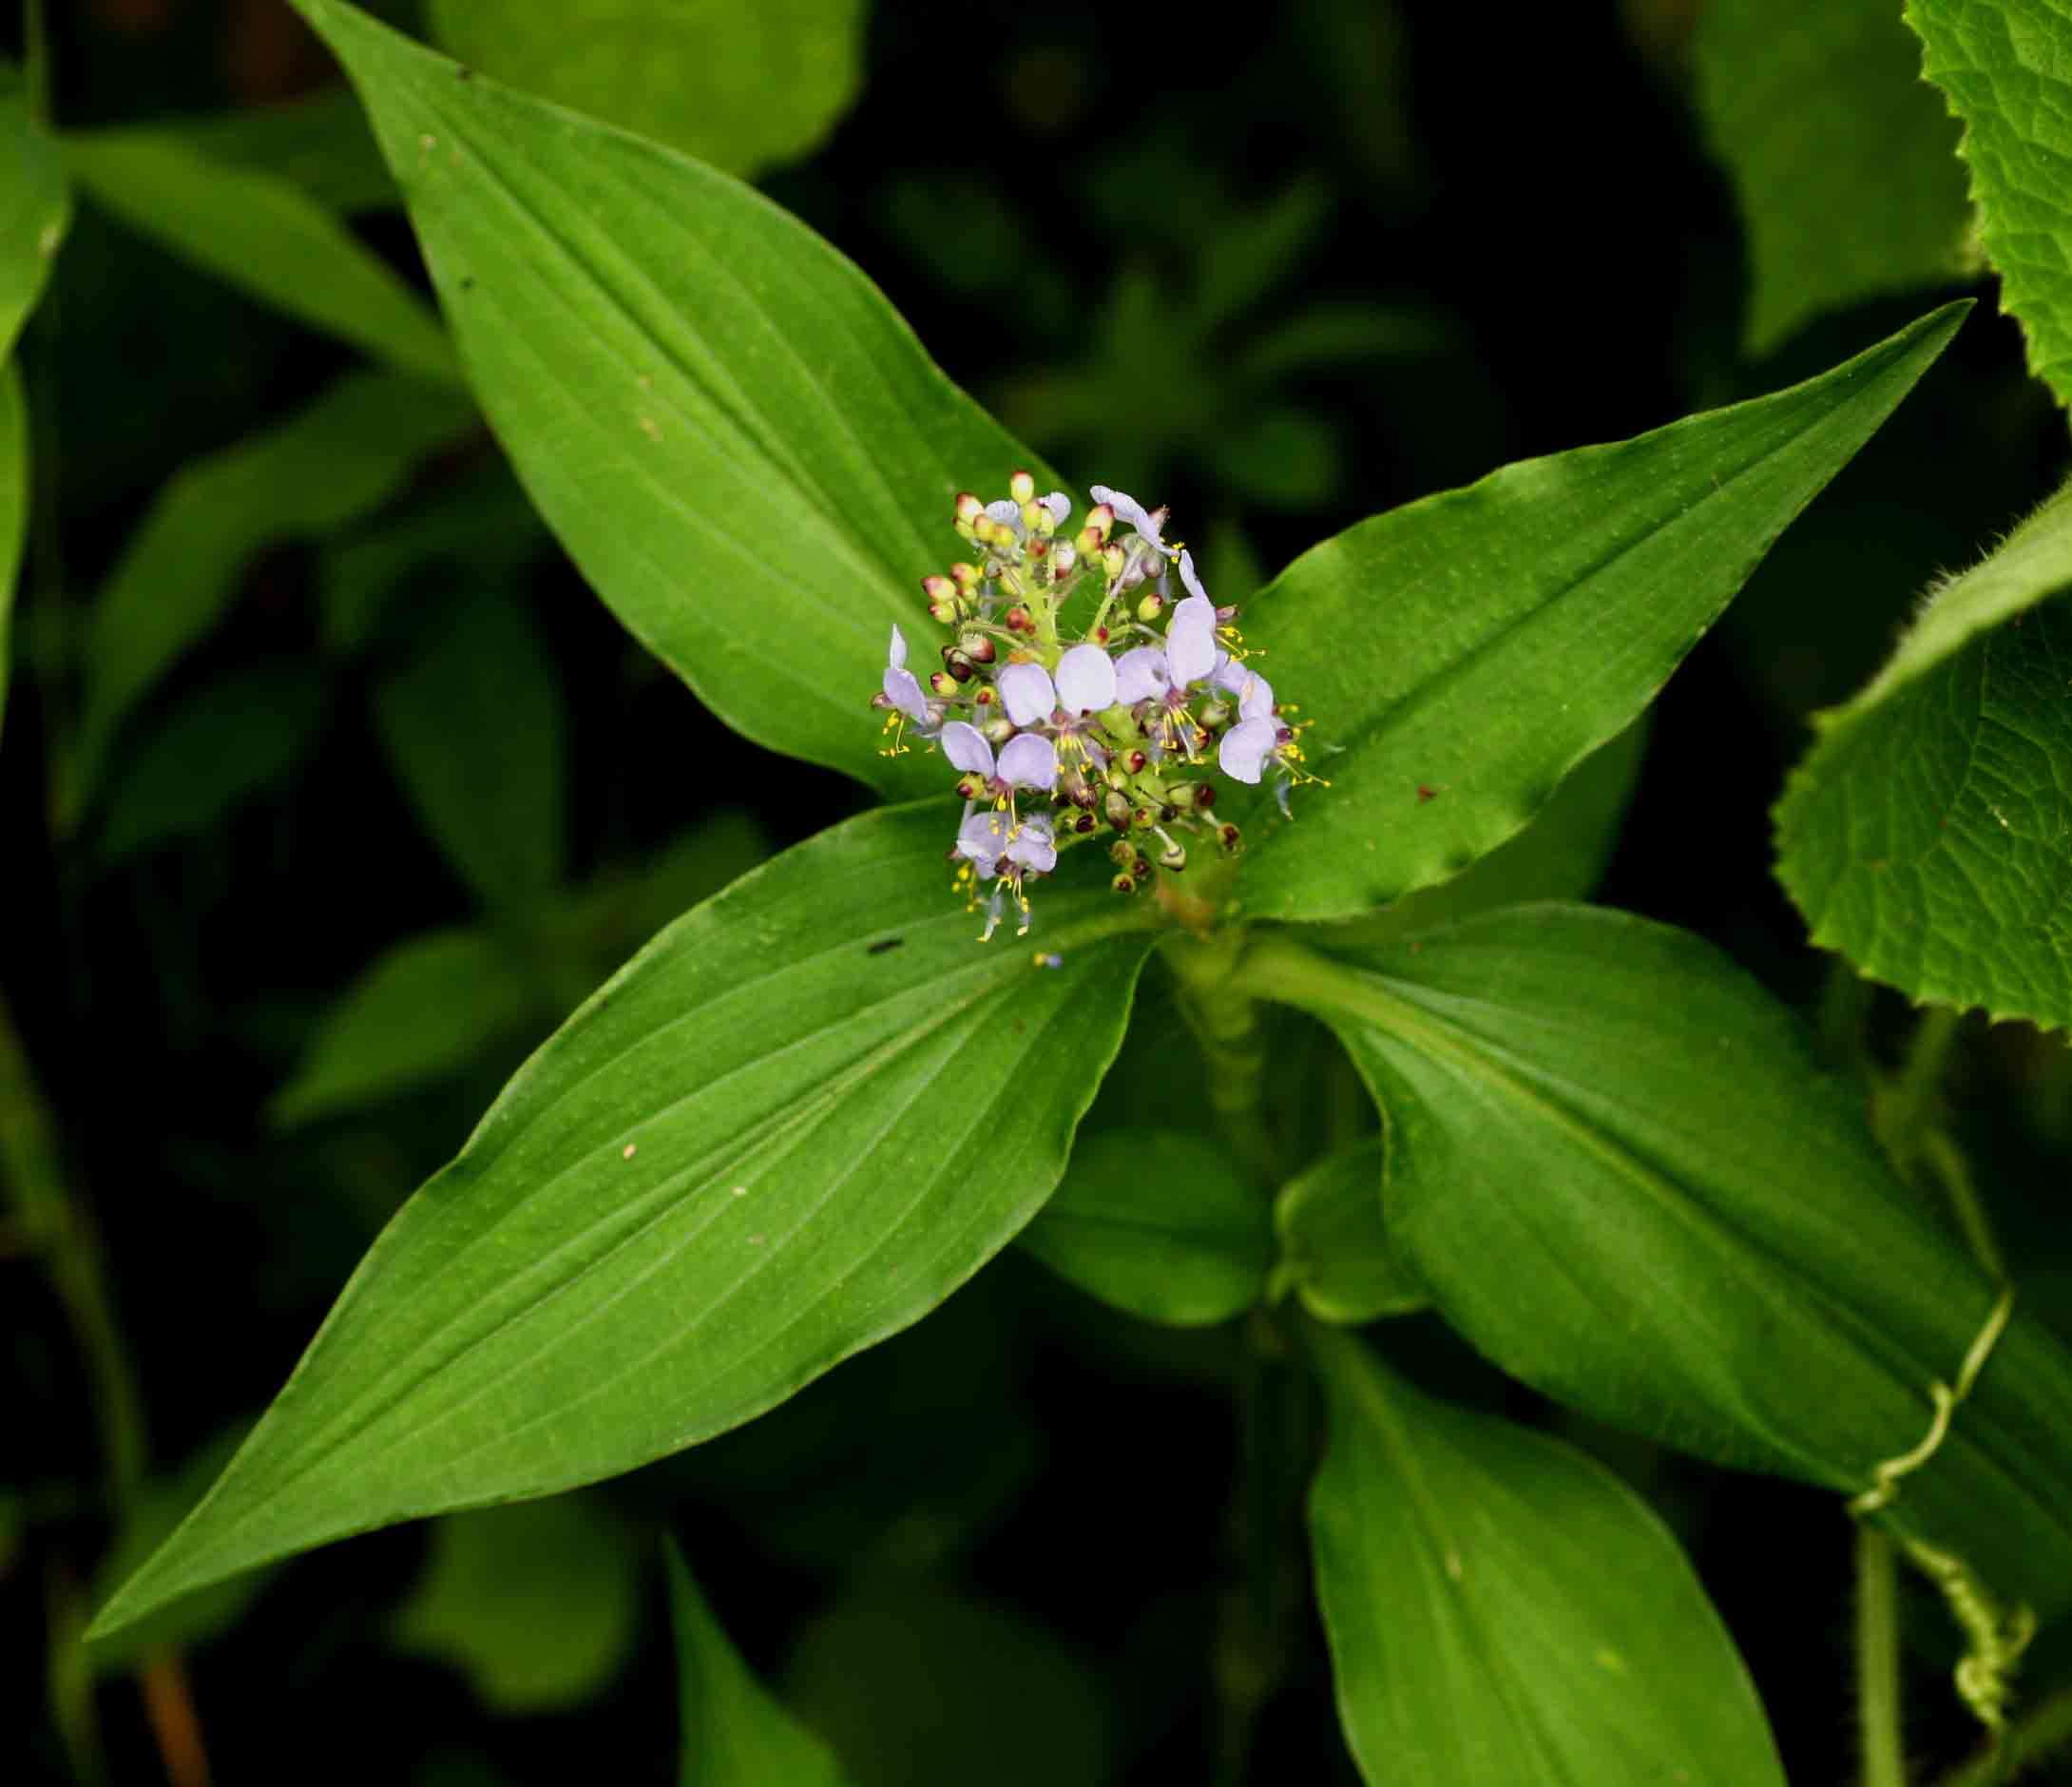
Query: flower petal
[
  {"x": 1030, "y": 760},
  {"x": 1187, "y": 575},
  {"x": 965, "y": 746},
  {"x": 1256, "y": 701},
  {"x": 1009, "y": 510},
  {"x": 1086, "y": 680},
  {"x": 1139, "y": 674},
  {"x": 1059, "y": 504},
  {"x": 1190, "y": 641},
  {"x": 1245, "y": 747},
  {"x": 898, "y": 657},
  {"x": 1031, "y": 845},
  {"x": 904, "y": 694},
  {"x": 1128, "y": 508},
  {"x": 982, "y": 837},
  {"x": 1026, "y": 690}
]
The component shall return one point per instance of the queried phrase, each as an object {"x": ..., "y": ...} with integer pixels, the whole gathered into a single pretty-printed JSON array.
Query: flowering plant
[{"x": 1504, "y": 1228}]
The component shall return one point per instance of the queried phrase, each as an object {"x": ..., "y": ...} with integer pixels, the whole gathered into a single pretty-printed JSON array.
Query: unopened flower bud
[
  {"x": 1084, "y": 823},
  {"x": 1137, "y": 761},
  {"x": 1143, "y": 870},
  {"x": 1017, "y": 620},
  {"x": 986, "y": 694},
  {"x": 968, "y": 576},
  {"x": 1204, "y": 796},
  {"x": 1151, "y": 607},
  {"x": 969, "y": 508},
  {"x": 942, "y": 613},
  {"x": 943, "y": 682},
  {"x": 1229, "y": 837},
  {"x": 1214, "y": 713},
  {"x": 1021, "y": 486},
  {"x": 970, "y": 787},
  {"x": 1063, "y": 559},
  {"x": 1112, "y": 560},
  {"x": 1143, "y": 818},
  {"x": 1115, "y": 809},
  {"x": 978, "y": 647},
  {"x": 1100, "y": 519},
  {"x": 938, "y": 590},
  {"x": 1122, "y": 854},
  {"x": 998, "y": 731},
  {"x": 1038, "y": 519},
  {"x": 1122, "y": 884},
  {"x": 958, "y": 665}
]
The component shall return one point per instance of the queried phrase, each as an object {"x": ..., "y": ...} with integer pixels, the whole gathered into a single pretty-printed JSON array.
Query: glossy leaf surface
[
  {"x": 762, "y": 1146},
  {"x": 1617, "y": 1169},
  {"x": 742, "y": 84},
  {"x": 1925, "y": 835},
  {"x": 732, "y": 434},
  {"x": 736, "y": 1732},
  {"x": 1843, "y": 162},
  {"x": 1159, "y": 1222},
  {"x": 259, "y": 232},
  {"x": 1461, "y": 653},
  {"x": 1335, "y": 1249},
  {"x": 2005, "y": 66},
  {"x": 1503, "y": 1608}
]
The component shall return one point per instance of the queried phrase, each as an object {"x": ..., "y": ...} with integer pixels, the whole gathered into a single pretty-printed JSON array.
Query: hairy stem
[{"x": 1878, "y": 1661}]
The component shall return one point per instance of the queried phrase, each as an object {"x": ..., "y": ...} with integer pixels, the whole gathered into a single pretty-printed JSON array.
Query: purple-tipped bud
[
  {"x": 1101, "y": 521},
  {"x": 942, "y": 613},
  {"x": 970, "y": 787},
  {"x": 967, "y": 577},
  {"x": 1143, "y": 818},
  {"x": 969, "y": 508},
  {"x": 1021, "y": 486},
  {"x": 1017, "y": 620},
  {"x": 958, "y": 665},
  {"x": 1063, "y": 559},
  {"x": 978, "y": 648},
  {"x": 1204, "y": 796},
  {"x": 1142, "y": 869},
  {"x": 1136, "y": 760},
  {"x": 938, "y": 590},
  {"x": 1151, "y": 607},
  {"x": 987, "y": 696},
  {"x": 943, "y": 684}
]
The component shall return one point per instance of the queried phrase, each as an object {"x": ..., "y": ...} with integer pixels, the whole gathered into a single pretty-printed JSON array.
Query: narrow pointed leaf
[
  {"x": 736, "y": 1732},
  {"x": 1617, "y": 1169},
  {"x": 35, "y": 209},
  {"x": 794, "y": 1123},
  {"x": 1460, "y": 655},
  {"x": 1159, "y": 1222},
  {"x": 1503, "y": 1608},
  {"x": 738, "y": 441},
  {"x": 2005, "y": 66},
  {"x": 1335, "y": 1249},
  {"x": 345, "y": 454},
  {"x": 255, "y": 230},
  {"x": 1925, "y": 835},
  {"x": 1844, "y": 163}
]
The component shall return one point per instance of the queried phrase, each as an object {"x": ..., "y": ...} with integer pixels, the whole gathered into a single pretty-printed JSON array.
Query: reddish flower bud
[{"x": 969, "y": 508}]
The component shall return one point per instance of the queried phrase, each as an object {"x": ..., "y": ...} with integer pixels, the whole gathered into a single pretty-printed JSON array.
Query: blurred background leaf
[
  {"x": 1336, "y": 1251},
  {"x": 259, "y": 231},
  {"x": 742, "y": 84},
  {"x": 319, "y": 143},
  {"x": 535, "y": 1602},
  {"x": 34, "y": 211},
  {"x": 1844, "y": 161},
  {"x": 14, "y": 512}
]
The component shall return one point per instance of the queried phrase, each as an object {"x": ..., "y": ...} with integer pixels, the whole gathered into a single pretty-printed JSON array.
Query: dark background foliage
[{"x": 1095, "y": 217}]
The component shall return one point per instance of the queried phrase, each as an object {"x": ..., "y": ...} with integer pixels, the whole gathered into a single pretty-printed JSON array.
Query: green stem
[
  {"x": 1228, "y": 1027},
  {"x": 35, "y": 62},
  {"x": 2039, "y": 1734},
  {"x": 1878, "y": 1661},
  {"x": 52, "y": 1225}
]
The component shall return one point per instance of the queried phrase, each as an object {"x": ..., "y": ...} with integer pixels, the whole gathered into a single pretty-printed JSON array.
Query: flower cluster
[{"x": 1065, "y": 732}]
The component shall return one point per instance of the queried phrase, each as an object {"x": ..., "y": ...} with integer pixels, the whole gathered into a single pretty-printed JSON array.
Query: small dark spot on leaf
[
  {"x": 467, "y": 281},
  {"x": 1424, "y": 792},
  {"x": 465, "y": 72},
  {"x": 883, "y": 944}
]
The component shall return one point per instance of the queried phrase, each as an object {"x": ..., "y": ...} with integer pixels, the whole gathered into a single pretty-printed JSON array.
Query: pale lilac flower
[
  {"x": 902, "y": 688},
  {"x": 992, "y": 836},
  {"x": 1009, "y": 510},
  {"x": 1028, "y": 760},
  {"x": 1187, "y": 575},
  {"x": 1139, "y": 674},
  {"x": 1128, "y": 508},
  {"x": 1190, "y": 642},
  {"x": 1086, "y": 681},
  {"x": 1254, "y": 692},
  {"x": 1245, "y": 748},
  {"x": 1026, "y": 694}
]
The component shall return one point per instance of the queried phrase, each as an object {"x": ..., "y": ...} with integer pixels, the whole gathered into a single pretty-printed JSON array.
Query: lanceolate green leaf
[
  {"x": 256, "y": 230},
  {"x": 792, "y": 1125},
  {"x": 346, "y": 453},
  {"x": 1501, "y": 1608},
  {"x": 1925, "y": 835},
  {"x": 35, "y": 207},
  {"x": 1159, "y": 1222},
  {"x": 738, "y": 441},
  {"x": 2007, "y": 67},
  {"x": 736, "y": 1733},
  {"x": 742, "y": 84},
  {"x": 1844, "y": 161},
  {"x": 1462, "y": 654},
  {"x": 1619, "y": 1170}
]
